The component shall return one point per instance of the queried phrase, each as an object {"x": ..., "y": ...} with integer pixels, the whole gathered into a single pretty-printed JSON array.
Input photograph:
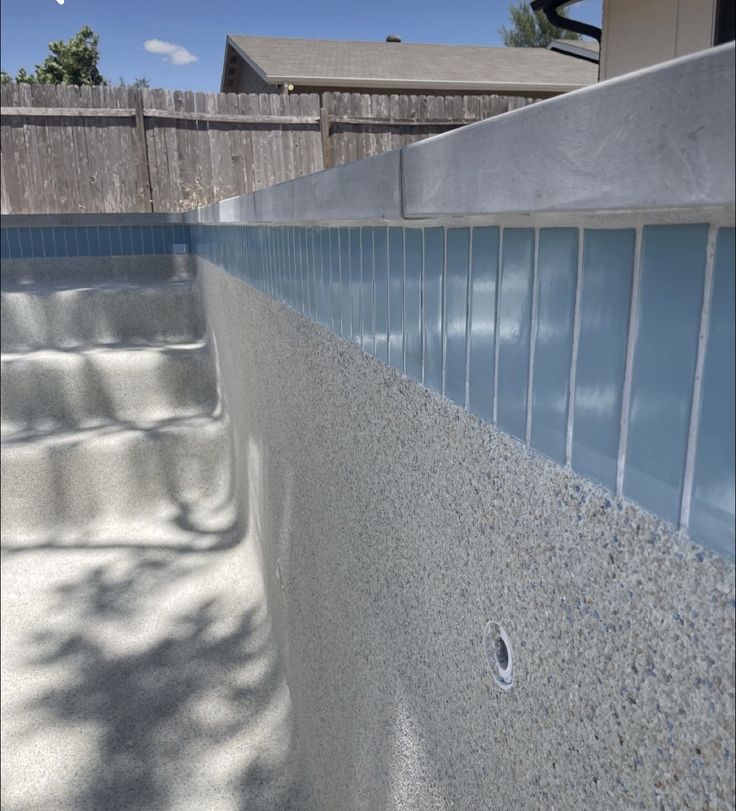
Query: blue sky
[{"x": 200, "y": 28}]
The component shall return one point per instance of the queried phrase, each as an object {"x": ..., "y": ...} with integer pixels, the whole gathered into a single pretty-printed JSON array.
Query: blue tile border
[
  {"x": 528, "y": 328},
  {"x": 56, "y": 242},
  {"x": 530, "y": 324}
]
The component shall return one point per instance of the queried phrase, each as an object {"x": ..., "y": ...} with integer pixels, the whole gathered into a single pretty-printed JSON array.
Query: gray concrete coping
[
  {"x": 659, "y": 138},
  {"x": 366, "y": 189}
]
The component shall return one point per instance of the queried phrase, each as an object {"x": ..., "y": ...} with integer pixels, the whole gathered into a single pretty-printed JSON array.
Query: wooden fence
[{"x": 114, "y": 149}]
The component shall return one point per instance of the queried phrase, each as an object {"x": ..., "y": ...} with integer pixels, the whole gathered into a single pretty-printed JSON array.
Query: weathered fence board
[{"x": 106, "y": 149}]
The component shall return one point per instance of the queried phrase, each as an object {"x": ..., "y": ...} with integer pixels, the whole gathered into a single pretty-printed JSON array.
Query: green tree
[
  {"x": 141, "y": 82},
  {"x": 25, "y": 78},
  {"x": 71, "y": 62},
  {"x": 531, "y": 29},
  {"x": 5, "y": 78}
]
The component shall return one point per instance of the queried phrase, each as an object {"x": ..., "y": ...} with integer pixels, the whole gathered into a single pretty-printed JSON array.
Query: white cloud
[{"x": 176, "y": 54}]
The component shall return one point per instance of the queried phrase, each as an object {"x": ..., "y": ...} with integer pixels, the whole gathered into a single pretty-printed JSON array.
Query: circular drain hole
[{"x": 499, "y": 654}]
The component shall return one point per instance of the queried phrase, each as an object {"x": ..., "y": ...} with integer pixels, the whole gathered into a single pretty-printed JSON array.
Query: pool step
[
  {"x": 118, "y": 481},
  {"x": 53, "y": 316},
  {"x": 52, "y": 390}
]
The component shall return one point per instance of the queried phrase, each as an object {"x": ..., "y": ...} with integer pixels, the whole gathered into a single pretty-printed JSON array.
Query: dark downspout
[{"x": 549, "y": 7}]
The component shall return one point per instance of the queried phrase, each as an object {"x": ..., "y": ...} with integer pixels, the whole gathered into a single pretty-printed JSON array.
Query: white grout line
[
  {"x": 497, "y": 325},
  {"x": 577, "y": 318},
  {"x": 629, "y": 368},
  {"x": 696, "y": 404},
  {"x": 532, "y": 340},
  {"x": 468, "y": 316}
]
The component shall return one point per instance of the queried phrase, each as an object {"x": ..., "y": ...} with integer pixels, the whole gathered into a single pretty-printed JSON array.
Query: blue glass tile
[
  {"x": 301, "y": 278},
  {"x": 278, "y": 265},
  {"x": 305, "y": 246},
  {"x": 456, "y": 313},
  {"x": 26, "y": 244},
  {"x": 714, "y": 490},
  {"x": 287, "y": 249},
  {"x": 256, "y": 259},
  {"x": 14, "y": 243},
  {"x": 302, "y": 273},
  {"x": 296, "y": 264},
  {"x": 282, "y": 249},
  {"x": 116, "y": 247},
  {"x": 278, "y": 258},
  {"x": 514, "y": 327},
  {"x": 60, "y": 242},
  {"x": 323, "y": 269},
  {"x": 557, "y": 268},
  {"x": 434, "y": 261},
  {"x": 368, "y": 320},
  {"x": 305, "y": 271},
  {"x": 294, "y": 280},
  {"x": 268, "y": 237},
  {"x": 668, "y": 323},
  {"x": 605, "y": 301},
  {"x": 482, "y": 335},
  {"x": 105, "y": 240},
  {"x": 37, "y": 242},
  {"x": 314, "y": 257},
  {"x": 413, "y": 302},
  {"x": 335, "y": 280},
  {"x": 268, "y": 261},
  {"x": 49, "y": 243},
  {"x": 158, "y": 239},
  {"x": 181, "y": 235},
  {"x": 346, "y": 321},
  {"x": 355, "y": 286},
  {"x": 148, "y": 241},
  {"x": 93, "y": 238},
  {"x": 82, "y": 242},
  {"x": 169, "y": 238},
  {"x": 4, "y": 244},
  {"x": 380, "y": 289},
  {"x": 259, "y": 246},
  {"x": 286, "y": 274},
  {"x": 137, "y": 240},
  {"x": 126, "y": 240},
  {"x": 71, "y": 242},
  {"x": 396, "y": 298}
]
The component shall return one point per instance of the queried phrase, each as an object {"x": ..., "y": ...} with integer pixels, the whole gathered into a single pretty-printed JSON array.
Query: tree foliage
[
  {"x": 140, "y": 82},
  {"x": 71, "y": 62},
  {"x": 531, "y": 29}
]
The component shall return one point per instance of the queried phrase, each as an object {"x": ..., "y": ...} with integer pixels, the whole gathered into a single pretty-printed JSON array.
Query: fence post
[
  {"x": 139, "y": 137},
  {"x": 324, "y": 130}
]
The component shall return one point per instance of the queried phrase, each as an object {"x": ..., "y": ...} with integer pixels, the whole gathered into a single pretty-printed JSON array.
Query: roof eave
[
  {"x": 427, "y": 84},
  {"x": 244, "y": 56}
]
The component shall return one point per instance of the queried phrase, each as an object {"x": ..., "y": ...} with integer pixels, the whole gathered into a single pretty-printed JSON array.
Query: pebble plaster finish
[{"x": 394, "y": 525}]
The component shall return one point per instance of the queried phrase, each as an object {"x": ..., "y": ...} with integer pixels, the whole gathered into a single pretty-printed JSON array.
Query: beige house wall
[{"x": 639, "y": 33}]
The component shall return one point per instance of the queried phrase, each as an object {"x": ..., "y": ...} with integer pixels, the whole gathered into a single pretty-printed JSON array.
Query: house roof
[
  {"x": 340, "y": 63},
  {"x": 587, "y": 49}
]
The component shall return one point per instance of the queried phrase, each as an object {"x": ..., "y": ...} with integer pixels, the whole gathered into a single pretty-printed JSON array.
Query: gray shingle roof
[{"x": 388, "y": 64}]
